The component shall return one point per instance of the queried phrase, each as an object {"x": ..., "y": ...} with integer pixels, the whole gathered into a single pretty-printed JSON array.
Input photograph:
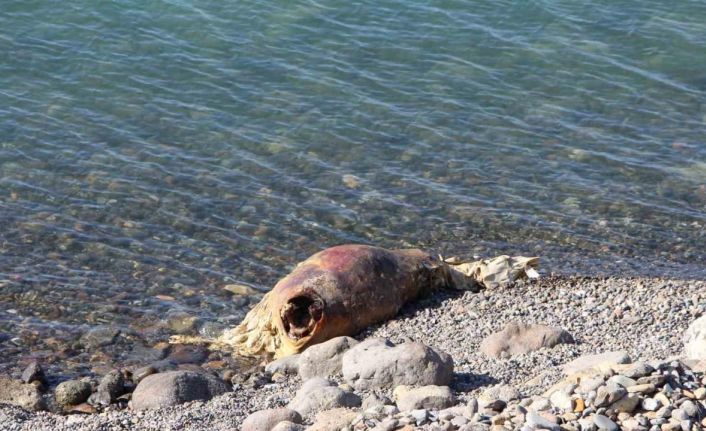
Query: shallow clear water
[{"x": 170, "y": 147}]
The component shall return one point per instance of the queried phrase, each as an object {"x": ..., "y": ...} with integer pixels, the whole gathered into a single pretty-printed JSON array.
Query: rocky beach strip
[{"x": 561, "y": 353}]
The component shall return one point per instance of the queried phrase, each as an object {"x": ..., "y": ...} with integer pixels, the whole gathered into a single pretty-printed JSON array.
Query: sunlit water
[{"x": 153, "y": 151}]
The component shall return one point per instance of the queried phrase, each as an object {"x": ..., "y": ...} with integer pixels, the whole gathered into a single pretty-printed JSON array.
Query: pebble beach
[{"x": 638, "y": 323}]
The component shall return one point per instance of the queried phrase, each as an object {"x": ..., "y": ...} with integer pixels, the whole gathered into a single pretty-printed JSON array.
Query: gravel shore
[{"x": 645, "y": 317}]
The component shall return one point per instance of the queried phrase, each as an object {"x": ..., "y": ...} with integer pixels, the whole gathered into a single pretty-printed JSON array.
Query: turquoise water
[{"x": 170, "y": 147}]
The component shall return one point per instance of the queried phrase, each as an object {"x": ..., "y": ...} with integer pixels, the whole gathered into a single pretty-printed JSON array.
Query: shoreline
[{"x": 645, "y": 317}]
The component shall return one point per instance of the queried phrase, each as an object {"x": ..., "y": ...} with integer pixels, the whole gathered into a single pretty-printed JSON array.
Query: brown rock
[
  {"x": 334, "y": 419},
  {"x": 265, "y": 420},
  {"x": 518, "y": 338},
  {"x": 20, "y": 394}
]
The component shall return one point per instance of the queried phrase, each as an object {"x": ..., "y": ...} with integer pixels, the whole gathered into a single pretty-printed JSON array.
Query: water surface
[{"x": 152, "y": 152}]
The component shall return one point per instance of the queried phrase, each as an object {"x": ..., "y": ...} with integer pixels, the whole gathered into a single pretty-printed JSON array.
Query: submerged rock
[
  {"x": 99, "y": 336},
  {"x": 175, "y": 387}
]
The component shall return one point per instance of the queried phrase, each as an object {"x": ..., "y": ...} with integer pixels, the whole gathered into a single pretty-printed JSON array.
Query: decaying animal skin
[{"x": 344, "y": 289}]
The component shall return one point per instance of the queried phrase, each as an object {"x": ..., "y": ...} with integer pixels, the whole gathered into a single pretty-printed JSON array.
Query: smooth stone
[
  {"x": 18, "y": 393},
  {"x": 622, "y": 381},
  {"x": 324, "y": 359},
  {"x": 420, "y": 415},
  {"x": 632, "y": 424},
  {"x": 671, "y": 426},
  {"x": 288, "y": 426},
  {"x": 534, "y": 420},
  {"x": 289, "y": 365},
  {"x": 540, "y": 404},
  {"x": 425, "y": 397},
  {"x": 388, "y": 424},
  {"x": 143, "y": 372},
  {"x": 638, "y": 369},
  {"x": 700, "y": 393},
  {"x": 378, "y": 363},
  {"x": 603, "y": 423},
  {"x": 695, "y": 339},
  {"x": 627, "y": 404},
  {"x": 333, "y": 419},
  {"x": 501, "y": 392},
  {"x": 174, "y": 388},
  {"x": 519, "y": 338},
  {"x": 690, "y": 408},
  {"x": 642, "y": 389},
  {"x": 592, "y": 361},
  {"x": 561, "y": 400},
  {"x": 316, "y": 382},
  {"x": 590, "y": 384},
  {"x": 471, "y": 407},
  {"x": 375, "y": 400},
  {"x": 586, "y": 424},
  {"x": 315, "y": 396},
  {"x": 72, "y": 392},
  {"x": 266, "y": 420},
  {"x": 679, "y": 415},
  {"x": 459, "y": 421}
]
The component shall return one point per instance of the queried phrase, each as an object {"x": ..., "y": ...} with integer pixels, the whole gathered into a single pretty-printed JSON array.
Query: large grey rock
[
  {"x": 289, "y": 365},
  {"x": 323, "y": 360},
  {"x": 175, "y": 387},
  {"x": 315, "y": 396},
  {"x": 20, "y": 394},
  {"x": 72, "y": 392},
  {"x": 378, "y": 363},
  {"x": 518, "y": 338},
  {"x": 695, "y": 339},
  {"x": 266, "y": 420},
  {"x": 592, "y": 361},
  {"x": 425, "y": 397}
]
